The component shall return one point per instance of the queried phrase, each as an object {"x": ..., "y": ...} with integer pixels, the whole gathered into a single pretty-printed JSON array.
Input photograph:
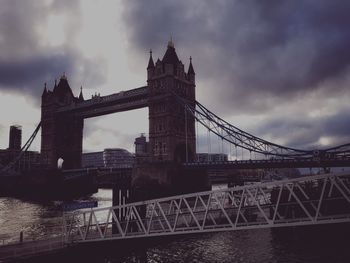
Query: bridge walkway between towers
[
  {"x": 101, "y": 105},
  {"x": 312, "y": 200}
]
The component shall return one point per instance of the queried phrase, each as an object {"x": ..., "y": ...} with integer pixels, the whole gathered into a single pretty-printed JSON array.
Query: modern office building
[
  {"x": 212, "y": 157},
  {"x": 110, "y": 157},
  {"x": 15, "y": 137},
  {"x": 117, "y": 157},
  {"x": 28, "y": 159},
  {"x": 92, "y": 159}
]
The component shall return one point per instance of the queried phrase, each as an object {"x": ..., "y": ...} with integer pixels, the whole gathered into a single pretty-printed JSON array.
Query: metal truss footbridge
[{"x": 312, "y": 200}]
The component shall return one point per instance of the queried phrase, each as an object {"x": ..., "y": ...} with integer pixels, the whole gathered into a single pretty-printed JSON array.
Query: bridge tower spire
[
  {"x": 45, "y": 91},
  {"x": 190, "y": 73},
  {"x": 81, "y": 97},
  {"x": 150, "y": 67}
]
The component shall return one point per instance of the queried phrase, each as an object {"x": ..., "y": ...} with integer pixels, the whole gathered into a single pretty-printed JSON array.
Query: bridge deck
[
  {"x": 313, "y": 200},
  {"x": 274, "y": 163},
  {"x": 101, "y": 105}
]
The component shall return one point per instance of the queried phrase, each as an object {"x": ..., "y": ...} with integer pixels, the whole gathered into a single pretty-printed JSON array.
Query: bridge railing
[
  {"x": 196, "y": 163},
  {"x": 310, "y": 200}
]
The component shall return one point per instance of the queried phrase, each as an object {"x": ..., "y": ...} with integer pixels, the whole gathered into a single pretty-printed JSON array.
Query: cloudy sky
[{"x": 277, "y": 69}]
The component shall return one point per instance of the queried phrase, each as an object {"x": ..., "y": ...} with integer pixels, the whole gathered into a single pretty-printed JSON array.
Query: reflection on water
[
  {"x": 37, "y": 219},
  {"x": 327, "y": 244},
  {"x": 31, "y": 218}
]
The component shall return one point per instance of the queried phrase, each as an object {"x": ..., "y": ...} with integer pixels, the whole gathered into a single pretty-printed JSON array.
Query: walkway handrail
[{"x": 306, "y": 200}]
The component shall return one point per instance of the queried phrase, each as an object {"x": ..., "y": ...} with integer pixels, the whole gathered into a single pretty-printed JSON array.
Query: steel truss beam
[
  {"x": 312, "y": 200},
  {"x": 100, "y": 105}
]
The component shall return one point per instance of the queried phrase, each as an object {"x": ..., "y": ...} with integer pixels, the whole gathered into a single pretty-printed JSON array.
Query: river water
[{"x": 322, "y": 244}]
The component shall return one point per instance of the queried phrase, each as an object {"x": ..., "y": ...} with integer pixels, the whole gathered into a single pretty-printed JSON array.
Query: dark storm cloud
[
  {"x": 256, "y": 51},
  {"x": 25, "y": 61},
  {"x": 29, "y": 74},
  {"x": 307, "y": 132},
  {"x": 255, "y": 57}
]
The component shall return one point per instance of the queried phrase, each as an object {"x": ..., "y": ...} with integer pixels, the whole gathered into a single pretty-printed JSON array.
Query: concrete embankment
[
  {"x": 47, "y": 184},
  {"x": 15, "y": 252}
]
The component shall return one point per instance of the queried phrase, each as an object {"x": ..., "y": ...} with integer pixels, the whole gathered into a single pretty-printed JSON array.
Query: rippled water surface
[{"x": 38, "y": 219}]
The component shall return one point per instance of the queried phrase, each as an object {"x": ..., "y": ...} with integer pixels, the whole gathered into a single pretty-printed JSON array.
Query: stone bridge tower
[
  {"x": 61, "y": 134},
  {"x": 171, "y": 130}
]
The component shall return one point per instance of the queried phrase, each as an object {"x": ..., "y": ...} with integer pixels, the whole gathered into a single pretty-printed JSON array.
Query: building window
[
  {"x": 156, "y": 149},
  {"x": 164, "y": 147}
]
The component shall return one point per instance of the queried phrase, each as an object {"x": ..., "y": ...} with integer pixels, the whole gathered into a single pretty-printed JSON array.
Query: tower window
[{"x": 164, "y": 147}]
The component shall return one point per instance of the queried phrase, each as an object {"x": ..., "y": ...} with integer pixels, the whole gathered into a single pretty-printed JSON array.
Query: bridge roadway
[
  {"x": 312, "y": 200},
  {"x": 273, "y": 163},
  {"x": 101, "y": 105}
]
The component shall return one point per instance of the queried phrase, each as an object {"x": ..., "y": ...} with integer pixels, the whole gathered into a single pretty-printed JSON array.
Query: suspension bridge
[
  {"x": 174, "y": 119},
  {"x": 240, "y": 143}
]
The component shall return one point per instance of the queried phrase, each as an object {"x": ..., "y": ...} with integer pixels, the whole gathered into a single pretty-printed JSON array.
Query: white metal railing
[{"x": 320, "y": 199}]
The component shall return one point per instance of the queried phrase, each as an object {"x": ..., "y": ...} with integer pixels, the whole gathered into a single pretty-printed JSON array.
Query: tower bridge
[
  {"x": 173, "y": 113},
  {"x": 63, "y": 114}
]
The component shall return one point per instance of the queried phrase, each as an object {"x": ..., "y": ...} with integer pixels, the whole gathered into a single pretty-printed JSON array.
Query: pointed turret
[
  {"x": 170, "y": 56},
  {"x": 191, "y": 74},
  {"x": 54, "y": 87},
  {"x": 170, "y": 59},
  {"x": 190, "y": 68},
  {"x": 63, "y": 89},
  {"x": 150, "y": 62},
  {"x": 150, "y": 67},
  {"x": 45, "y": 91},
  {"x": 81, "y": 97}
]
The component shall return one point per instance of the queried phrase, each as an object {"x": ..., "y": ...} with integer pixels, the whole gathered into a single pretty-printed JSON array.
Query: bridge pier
[
  {"x": 61, "y": 133},
  {"x": 121, "y": 195},
  {"x": 160, "y": 179}
]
